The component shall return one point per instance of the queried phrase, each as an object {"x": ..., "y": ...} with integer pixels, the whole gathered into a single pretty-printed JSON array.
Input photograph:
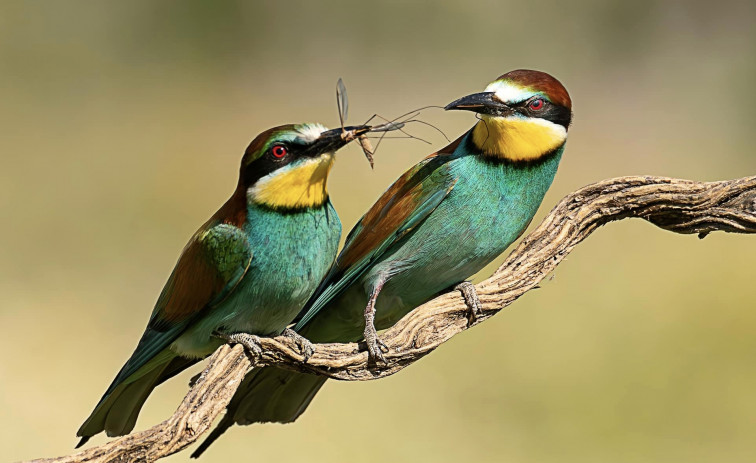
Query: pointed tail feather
[
  {"x": 267, "y": 395},
  {"x": 117, "y": 412}
]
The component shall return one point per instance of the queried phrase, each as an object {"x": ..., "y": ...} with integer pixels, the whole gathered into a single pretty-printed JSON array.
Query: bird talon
[
  {"x": 381, "y": 345},
  {"x": 375, "y": 346},
  {"x": 250, "y": 342},
  {"x": 470, "y": 296},
  {"x": 306, "y": 348},
  {"x": 375, "y": 353}
]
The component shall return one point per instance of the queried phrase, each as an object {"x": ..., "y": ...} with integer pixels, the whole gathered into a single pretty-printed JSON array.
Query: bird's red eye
[
  {"x": 279, "y": 151},
  {"x": 536, "y": 104}
]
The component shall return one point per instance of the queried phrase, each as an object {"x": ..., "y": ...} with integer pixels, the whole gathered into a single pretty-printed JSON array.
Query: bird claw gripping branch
[
  {"x": 471, "y": 299},
  {"x": 250, "y": 342},
  {"x": 375, "y": 347},
  {"x": 306, "y": 348}
]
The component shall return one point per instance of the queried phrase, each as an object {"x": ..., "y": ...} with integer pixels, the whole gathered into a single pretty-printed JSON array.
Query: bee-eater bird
[
  {"x": 438, "y": 224},
  {"x": 249, "y": 269}
]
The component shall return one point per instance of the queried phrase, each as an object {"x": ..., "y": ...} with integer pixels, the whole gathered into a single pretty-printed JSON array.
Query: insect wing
[{"x": 342, "y": 101}]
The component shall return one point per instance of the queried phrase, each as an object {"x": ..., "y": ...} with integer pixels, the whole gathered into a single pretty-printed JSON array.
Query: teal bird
[
  {"x": 250, "y": 268},
  {"x": 438, "y": 224}
]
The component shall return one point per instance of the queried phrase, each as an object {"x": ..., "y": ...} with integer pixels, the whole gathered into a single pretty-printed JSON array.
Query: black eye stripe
[
  {"x": 549, "y": 111},
  {"x": 269, "y": 163}
]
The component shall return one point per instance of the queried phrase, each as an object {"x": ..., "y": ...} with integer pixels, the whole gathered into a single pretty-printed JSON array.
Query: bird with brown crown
[{"x": 247, "y": 271}]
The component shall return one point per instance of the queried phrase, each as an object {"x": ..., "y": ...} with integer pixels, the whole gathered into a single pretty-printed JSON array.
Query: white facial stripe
[
  {"x": 508, "y": 93},
  {"x": 310, "y": 132}
]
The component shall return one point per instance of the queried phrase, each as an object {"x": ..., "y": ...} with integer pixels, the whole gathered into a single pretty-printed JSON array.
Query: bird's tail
[
  {"x": 267, "y": 395},
  {"x": 117, "y": 411}
]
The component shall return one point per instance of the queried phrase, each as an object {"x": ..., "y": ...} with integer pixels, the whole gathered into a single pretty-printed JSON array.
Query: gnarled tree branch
[{"x": 681, "y": 206}]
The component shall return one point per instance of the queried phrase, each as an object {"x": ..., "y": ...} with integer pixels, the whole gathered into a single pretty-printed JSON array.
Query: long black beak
[
  {"x": 482, "y": 103},
  {"x": 334, "y": 139}
]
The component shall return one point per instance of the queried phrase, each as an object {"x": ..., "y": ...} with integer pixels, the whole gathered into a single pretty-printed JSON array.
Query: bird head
[
  {"x": 524, "y": 115},
  {"x": 287, "y": 167}
]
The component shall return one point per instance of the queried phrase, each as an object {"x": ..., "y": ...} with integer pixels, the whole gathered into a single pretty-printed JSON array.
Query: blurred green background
[{"x": 123, "y": 124}]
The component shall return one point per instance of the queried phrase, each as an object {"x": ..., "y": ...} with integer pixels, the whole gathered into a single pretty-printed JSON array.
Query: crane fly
[
  {"x": 348, "y": 135},
  {"x": 360, "y": 132}
]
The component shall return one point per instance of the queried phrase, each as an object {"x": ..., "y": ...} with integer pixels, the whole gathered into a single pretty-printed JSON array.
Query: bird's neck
[{"x": 517, "y": 139}]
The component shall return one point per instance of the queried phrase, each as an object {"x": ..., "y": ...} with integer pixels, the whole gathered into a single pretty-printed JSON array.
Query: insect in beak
[{"x": 359, "y": 133}]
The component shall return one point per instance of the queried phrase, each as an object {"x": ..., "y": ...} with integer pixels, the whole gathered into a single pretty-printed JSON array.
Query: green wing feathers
[{"x": 211, "y": 265}]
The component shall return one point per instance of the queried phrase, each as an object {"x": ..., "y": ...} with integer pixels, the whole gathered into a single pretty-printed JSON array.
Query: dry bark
[{"x": 681, "y": 206}]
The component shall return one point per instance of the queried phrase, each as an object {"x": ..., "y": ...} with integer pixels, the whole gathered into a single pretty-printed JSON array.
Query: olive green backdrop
[{"x": 122, "y": 127}]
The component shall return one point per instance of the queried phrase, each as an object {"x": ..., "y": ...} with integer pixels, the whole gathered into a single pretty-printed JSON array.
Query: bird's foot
[
  {"x": 375, "y": 346},
  {"x": 249, "y": 341},
  {"x": 306, "y": 348},
  {"x": 471, "y": 299}
]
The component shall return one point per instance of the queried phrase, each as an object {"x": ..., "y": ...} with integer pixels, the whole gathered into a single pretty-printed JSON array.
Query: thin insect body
[{"x": 348, "y": 135}]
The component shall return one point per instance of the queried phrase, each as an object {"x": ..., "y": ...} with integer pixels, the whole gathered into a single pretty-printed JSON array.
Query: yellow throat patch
[
  {"x": 517, "y": 139},
  {"x": 297, "y": 186}
]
